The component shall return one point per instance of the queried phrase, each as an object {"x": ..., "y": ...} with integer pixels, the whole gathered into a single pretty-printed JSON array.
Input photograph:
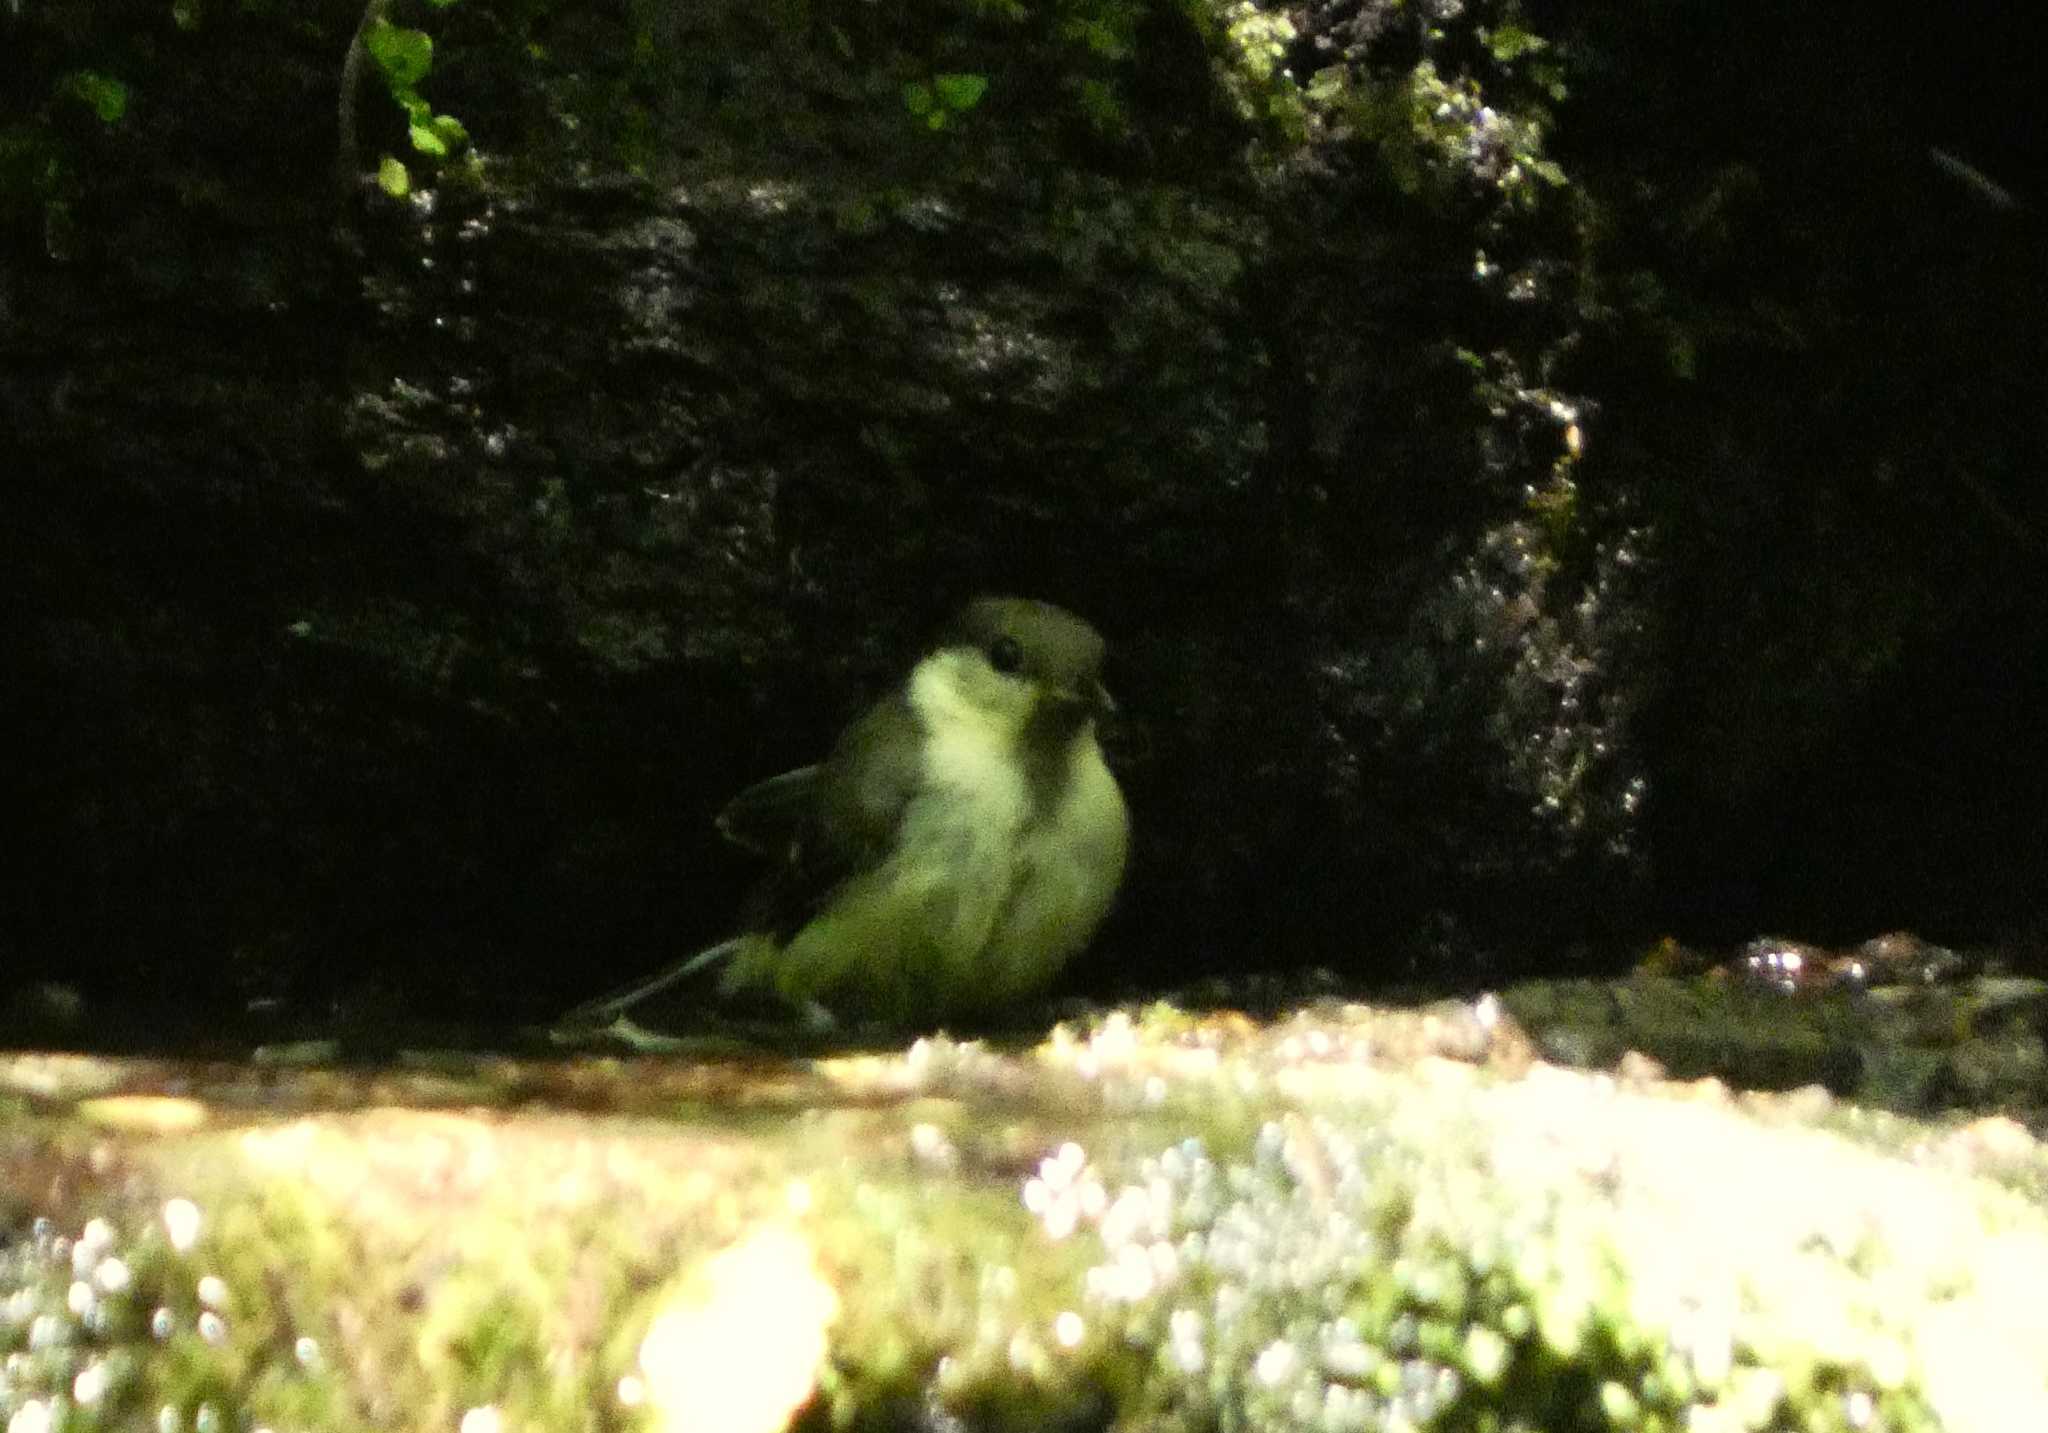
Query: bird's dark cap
[{"x": 1055, "y": 646}]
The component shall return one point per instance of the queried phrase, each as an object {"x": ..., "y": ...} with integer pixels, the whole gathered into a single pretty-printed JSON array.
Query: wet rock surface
[{"x": 1897, "y": 1022}]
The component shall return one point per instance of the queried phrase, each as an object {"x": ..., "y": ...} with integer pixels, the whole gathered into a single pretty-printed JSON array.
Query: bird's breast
[{"x": 1006, "y": 872}]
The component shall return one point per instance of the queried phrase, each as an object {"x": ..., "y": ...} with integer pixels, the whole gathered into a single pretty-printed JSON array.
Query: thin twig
[{"x": 347, "y": 172}]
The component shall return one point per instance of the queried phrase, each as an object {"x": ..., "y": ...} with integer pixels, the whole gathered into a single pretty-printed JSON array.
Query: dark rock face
[{"x": 408, "y": 579}]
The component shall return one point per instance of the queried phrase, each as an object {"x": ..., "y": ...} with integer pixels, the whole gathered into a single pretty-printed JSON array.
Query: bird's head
[{"x": 1028, "y": 671}]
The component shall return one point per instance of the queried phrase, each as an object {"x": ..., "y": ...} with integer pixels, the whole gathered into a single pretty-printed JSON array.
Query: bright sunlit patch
[
  {"x": 91, "y": 1384},
  {"x": 1276, "y": 1361},
  {"x": 181, "y": 1223},
  {"x": 32, "y": 1417},
  {"x": 1065, "y": 1191},
  {"x": 486, "y": 1419},
  {"x": 112, "y": 1275},
  {"x": 147, "y": 1114},
  {"x": 739, "y": 1351}
]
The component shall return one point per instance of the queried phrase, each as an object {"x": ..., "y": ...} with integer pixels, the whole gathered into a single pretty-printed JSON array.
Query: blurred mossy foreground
[{"x": 1346, "y": 1218}]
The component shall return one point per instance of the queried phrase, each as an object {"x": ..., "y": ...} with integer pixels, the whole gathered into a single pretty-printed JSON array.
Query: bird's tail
[{"x": 601, "y": 1012}]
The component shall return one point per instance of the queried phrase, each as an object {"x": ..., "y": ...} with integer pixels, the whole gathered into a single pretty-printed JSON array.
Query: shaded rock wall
[{"x": 407, "y": 579}]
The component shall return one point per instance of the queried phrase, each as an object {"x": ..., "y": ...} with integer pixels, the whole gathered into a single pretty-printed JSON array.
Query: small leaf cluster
[
  {"x": 937, "y": 100},
  {"x": 405, "y": 57}
]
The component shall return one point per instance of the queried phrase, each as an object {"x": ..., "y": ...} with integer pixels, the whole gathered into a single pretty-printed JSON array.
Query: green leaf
[
  {"x": 392, "y": 178},
  {"x": 1510, "y": 42},
  {"x": 106, "y": 96},
  {"x": 403, "y": 55},
  {"x": 427, "y": 142},
  {"x": 918, "y": 98},
  {"x": 961, "y": 91},
  {"x": 440, "y": 4},
  {"x": 449, "y": 130},
  {"x": 1099, "y": 102},
  {"x": 1103, "y": 36}
]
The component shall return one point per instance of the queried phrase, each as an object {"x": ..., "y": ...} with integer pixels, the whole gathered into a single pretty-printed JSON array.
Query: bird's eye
[{"x": 1005, "y": 654}]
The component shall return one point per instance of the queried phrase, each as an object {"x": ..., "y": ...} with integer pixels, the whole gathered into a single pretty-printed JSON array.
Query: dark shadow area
[{"x": 1548, "y": 483}]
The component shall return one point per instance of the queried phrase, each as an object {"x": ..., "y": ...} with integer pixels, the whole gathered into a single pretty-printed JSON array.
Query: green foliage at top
[
  {"x": 405, "y": 57},
  {"x": 104, "y": 70}
]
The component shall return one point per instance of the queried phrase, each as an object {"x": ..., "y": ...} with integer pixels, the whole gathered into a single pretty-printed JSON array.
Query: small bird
[{"x": 961, "y": 842}]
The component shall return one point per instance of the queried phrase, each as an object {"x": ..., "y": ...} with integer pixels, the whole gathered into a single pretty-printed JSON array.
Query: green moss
[{"x": 1167, "y": 1222}]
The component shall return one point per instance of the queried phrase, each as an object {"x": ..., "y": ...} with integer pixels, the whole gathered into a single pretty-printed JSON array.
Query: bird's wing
[
  {"x": 766, "y": 817},
  {"x": 849, "y": 821},
  {"x": 823, "y": 825}
]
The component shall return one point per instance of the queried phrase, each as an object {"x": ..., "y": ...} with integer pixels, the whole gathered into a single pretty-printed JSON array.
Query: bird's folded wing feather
[
  {"x": 823, "y": 825},
  {"x": 850, "y": 821},
  {"x": 766, "y": 817}
]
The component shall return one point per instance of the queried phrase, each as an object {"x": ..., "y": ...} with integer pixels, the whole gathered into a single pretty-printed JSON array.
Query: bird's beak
[{"x": 1090, "y": 701}]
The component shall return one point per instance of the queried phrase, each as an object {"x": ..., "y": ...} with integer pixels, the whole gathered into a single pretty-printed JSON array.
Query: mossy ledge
[{"x": 1342, "y": 1218}]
